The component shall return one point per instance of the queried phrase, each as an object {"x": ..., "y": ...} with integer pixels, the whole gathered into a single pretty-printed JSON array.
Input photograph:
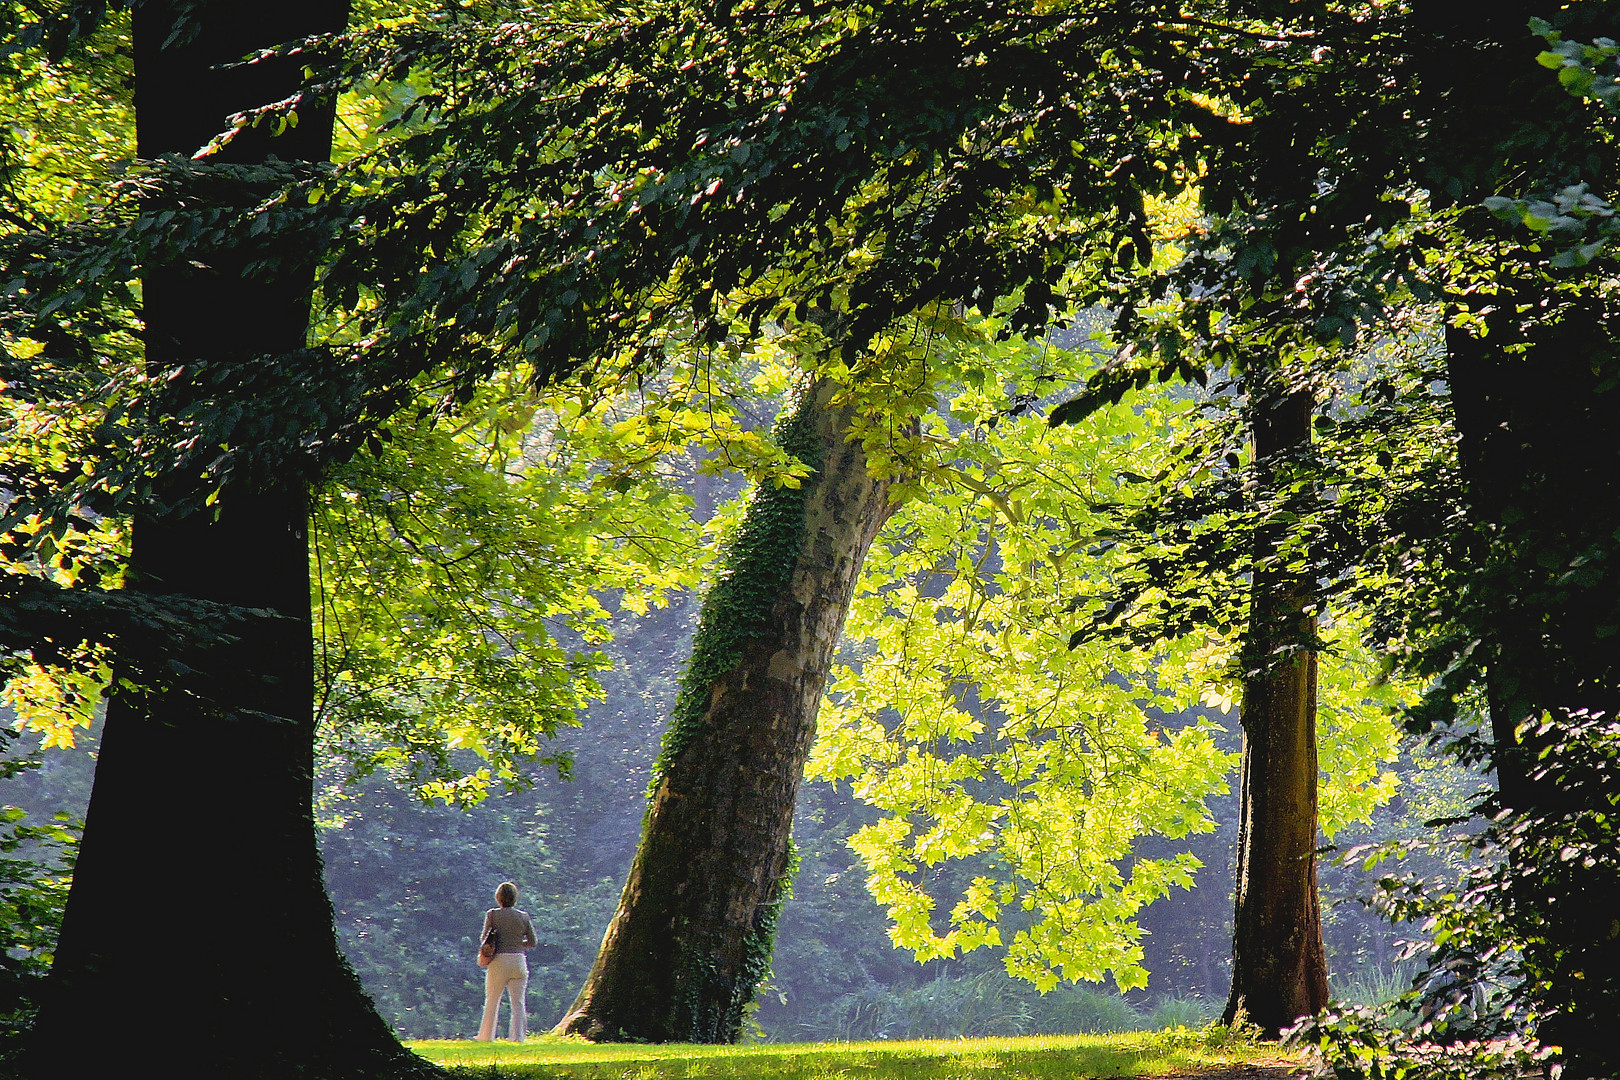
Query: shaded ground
[{"x": 1281, "y": 1069}]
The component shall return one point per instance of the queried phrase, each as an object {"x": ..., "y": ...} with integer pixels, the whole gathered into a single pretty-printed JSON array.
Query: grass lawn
[{"x": 1180, "y": 1053}]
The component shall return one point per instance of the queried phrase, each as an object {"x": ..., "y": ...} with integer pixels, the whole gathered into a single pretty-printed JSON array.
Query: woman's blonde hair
[{"x": 506, "y": 894}]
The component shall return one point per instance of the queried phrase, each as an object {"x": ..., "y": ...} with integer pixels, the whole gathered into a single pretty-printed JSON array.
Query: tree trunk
[
  {"x": 693, "y": 933},
  {"x": 1279, "y": 968},
  {"x": 198, "y": 919},
  {"x": 1542, "y": 480},
  {"x": 1534, "y": 374},
  {"x": 1539, "y": 460}
]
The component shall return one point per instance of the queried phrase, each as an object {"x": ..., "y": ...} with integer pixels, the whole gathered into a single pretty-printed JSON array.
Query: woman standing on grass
[{"x": 509, "y": 970}]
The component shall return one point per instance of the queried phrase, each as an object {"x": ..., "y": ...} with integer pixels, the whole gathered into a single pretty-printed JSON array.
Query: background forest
[
  {"x": 409, "y": 875},
  {"x": 409, "y": 881}
]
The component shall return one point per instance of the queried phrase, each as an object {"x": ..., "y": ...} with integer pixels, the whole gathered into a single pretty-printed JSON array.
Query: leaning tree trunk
[
  {"x": 198, "y": 916},
  {"x": 1279, "y": 968},
  {"x": 693, "y": 933}
]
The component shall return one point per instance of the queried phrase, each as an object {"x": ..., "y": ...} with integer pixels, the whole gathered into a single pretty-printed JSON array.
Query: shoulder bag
[{"x": 491, "y": 943}]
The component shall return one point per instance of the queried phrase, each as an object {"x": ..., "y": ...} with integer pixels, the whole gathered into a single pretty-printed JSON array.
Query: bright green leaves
[
  {"x": 1358, "y": 731},
  {"x": 699, "y": 404},
  {"x": 979, "y": 734},
  {"x": 468, "y": 568},
  {"x": 464, "y": 578},
  {"x": 58, "y": 701},
  {"x": 1019, "y": 769},
  {"x": 70, "y": 127},
  {"x": 56, "y": 687}
]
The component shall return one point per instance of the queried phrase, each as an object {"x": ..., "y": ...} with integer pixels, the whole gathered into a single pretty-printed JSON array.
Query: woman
[{"x": 509, "y": 970}]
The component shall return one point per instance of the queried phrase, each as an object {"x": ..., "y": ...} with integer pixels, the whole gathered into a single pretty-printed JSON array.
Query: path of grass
[{"x": 1210, "y": 1053}]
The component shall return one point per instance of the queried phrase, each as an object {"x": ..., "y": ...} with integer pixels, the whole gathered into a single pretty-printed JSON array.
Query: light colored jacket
[{"x": 514, "y": 929}]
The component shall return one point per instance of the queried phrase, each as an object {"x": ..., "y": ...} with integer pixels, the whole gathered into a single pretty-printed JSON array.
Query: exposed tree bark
[
  {"x": 1279, "y": 967},
  {"x": 693, "y": 931},
  {"x": 209, "y": 930}
]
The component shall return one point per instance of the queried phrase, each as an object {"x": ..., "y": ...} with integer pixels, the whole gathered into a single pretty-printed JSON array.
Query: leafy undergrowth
[{"x": 1175, "y": 1053}]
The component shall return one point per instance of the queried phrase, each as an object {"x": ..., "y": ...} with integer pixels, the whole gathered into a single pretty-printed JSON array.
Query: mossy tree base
[{"x": 692, "y": 934}]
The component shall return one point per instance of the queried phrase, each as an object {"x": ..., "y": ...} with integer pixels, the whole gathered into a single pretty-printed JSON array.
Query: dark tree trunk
[
  {"x": 1542, "y": 472},
  {"x": 1279, "y": 968},
  {"x": 1534, "y": 374},
  {"x": 693, "y": 932},
  {"x": 198, "y": 920},
  {"x": 1480, "y": 388},
  {"x": 1538, "y": 448}
]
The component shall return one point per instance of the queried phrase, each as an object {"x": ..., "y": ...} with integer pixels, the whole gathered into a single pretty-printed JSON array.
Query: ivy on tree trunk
[{"x": 693, "y": 932}]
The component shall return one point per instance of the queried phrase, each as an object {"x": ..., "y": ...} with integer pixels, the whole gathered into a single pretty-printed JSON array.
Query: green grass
[{"x": 1049, "y": 1057}]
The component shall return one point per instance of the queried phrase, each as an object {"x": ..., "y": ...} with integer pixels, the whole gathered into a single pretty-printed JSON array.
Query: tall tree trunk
[
  {"x": 1480, "y": 388},
  {"x": 1534, "y": 376},
  {"x": 693, "y": 932},
  {"x": 1279, "y": 968},
  {"x": 198, "y": 919},
  {"x": 1542, "y": 475}
]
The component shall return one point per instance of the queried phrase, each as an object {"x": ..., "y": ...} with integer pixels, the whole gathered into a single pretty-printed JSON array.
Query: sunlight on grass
[{"x": 1053, "y": 1057}]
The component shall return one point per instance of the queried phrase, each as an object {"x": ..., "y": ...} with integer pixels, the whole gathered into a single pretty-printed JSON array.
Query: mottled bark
[
  {"x": 692, "y": 934},
  {"x": 198, "y": 917},
  {"x": 1279, "y": 967}
]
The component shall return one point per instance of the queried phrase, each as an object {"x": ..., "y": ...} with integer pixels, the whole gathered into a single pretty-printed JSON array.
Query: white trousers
[{"x": 508, "y": 973}]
